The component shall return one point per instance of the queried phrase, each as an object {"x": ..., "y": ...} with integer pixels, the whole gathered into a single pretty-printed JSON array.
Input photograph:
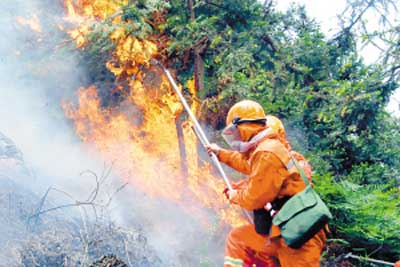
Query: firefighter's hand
[
  {"x": 232, "y": 195},
  {"x": 213, "y": 148}
]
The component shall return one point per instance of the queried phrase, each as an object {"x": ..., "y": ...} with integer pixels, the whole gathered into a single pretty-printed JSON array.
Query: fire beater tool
[
  {"x": 245, "y": 212},
  {"x": 199, "y": 131},
  {"x": 197, "y": 127}
]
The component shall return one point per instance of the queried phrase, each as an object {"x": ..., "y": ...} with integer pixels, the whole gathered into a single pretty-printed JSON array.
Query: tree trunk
[
  {"x": 191, "y": 10},
  {"x": 198, "y": 61},
  {"x": 181, "y": 144},
  {"x": 198, "y": 71},
  {"x": 198, "y": 67}
]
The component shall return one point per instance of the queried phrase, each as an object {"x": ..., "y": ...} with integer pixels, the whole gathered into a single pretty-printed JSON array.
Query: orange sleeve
[
  {"x": 264, "y": 183},
  {"x": 235, "y": 160},
  {"x": 397, "y": 264},
  {"x": 241, "y": 184}
]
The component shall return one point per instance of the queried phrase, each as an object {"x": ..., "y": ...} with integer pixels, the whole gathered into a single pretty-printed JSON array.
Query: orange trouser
[{"x": 244, "y": 247}]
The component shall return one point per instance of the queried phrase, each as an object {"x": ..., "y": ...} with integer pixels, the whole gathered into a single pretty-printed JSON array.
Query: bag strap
[{"x": 300, "y": 170}]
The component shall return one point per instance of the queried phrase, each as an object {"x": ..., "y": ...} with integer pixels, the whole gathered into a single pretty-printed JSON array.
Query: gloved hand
[
  {"x": 397, "y": 264},
  {"x": 213, "y": 148},
  {"x": 231, "y": 195}
]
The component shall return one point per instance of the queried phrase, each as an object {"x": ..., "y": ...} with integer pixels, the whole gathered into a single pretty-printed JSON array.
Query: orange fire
[{"x": 143, "y": 134}]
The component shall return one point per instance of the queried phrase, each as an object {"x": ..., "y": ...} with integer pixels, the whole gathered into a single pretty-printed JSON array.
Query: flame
[
  {"x": 86, "y": 12},
  {"x": 93, "y": 9},
  {"x": 32, "y": 23},
  {"x": 144, "y": 135}
]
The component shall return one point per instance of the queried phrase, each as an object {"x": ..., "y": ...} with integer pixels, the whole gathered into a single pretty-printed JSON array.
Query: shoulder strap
[{"x": 301, "y": 172}]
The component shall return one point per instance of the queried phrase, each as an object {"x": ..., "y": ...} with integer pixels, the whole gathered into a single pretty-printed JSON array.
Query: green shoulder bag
[{"x": 302, "y": 216}]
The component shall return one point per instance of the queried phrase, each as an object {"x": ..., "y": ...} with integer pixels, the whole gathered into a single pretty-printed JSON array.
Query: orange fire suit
[
  {"x": 397, "y": 264},
  {"x": 269, "y": 179}
]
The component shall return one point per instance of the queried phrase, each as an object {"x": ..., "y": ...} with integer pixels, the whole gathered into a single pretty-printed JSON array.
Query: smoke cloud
[{"x": 35, "y": 74}]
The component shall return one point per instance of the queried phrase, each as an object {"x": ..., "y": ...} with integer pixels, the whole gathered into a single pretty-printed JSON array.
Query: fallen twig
[{"x": 91, "y": 200}]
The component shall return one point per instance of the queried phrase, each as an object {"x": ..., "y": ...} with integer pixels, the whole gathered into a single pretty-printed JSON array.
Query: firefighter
[
  {"x": 397, "y": 264},
  {"x": 262, "y": 152}
]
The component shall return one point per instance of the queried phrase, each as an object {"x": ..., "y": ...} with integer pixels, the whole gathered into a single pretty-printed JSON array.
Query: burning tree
[{"x": 145, "y": 132}]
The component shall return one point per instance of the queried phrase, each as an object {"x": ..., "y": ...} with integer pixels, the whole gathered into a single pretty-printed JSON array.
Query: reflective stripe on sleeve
[{"x": 233, "y": 262}]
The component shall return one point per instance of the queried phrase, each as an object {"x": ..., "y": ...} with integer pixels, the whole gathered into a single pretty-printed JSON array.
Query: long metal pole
[
  {"x": 199, "y": 130},
  {"x": 245, "y": 212},
  {"x": 370, "y": 260}
]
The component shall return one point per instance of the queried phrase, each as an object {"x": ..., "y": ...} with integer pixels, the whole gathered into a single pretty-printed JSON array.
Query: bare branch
[
  {"x": 91, "y": 200},
  {"x": 61, "y": 207},
  {"x": 127, "y": 253},
  {"x": 116, "y": 192},
  {"x": 95, "y": 191},
  {"x": 360, "y": 15}
]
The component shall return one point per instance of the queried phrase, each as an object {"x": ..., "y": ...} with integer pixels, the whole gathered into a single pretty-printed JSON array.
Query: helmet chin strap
[{"x": 243, "y": 147}]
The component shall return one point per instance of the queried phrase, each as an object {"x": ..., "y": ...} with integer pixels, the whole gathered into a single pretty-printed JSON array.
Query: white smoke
[{"x": 35, "y": 75}]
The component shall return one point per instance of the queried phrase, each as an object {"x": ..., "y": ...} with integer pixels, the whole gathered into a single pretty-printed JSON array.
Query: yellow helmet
[
  {"x": 245, "y": 111},
  {"x": 275, "y": 124}
]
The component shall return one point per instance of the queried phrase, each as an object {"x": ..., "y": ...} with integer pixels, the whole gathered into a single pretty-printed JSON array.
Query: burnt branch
[{"x": 90, "y": 200}]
